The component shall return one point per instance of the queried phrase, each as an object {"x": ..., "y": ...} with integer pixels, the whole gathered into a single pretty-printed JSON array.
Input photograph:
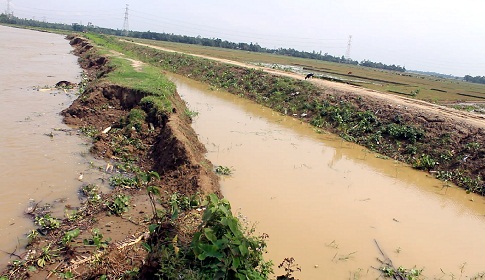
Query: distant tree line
[
  {"x": 252, "y": 47},
  {"x": 380, "y": 65},
  {"x": 476, "y": 79}
]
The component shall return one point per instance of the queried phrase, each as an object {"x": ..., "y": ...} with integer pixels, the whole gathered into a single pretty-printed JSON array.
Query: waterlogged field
[{"x": 422, "y": 87}]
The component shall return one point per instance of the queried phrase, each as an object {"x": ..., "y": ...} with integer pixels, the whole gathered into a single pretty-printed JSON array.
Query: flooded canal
[
  {"x": 327, "y": 202},
  {"x": 41, "y": 158}
]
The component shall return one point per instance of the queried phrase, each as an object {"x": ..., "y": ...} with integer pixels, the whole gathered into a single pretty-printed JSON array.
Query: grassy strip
[
  {"x": 471, "y": 95},
  {"x": 156, "y": 89}
]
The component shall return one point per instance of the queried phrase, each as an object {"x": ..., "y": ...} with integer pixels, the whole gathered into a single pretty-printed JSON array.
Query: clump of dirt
[{"x": 108, "y": 242}]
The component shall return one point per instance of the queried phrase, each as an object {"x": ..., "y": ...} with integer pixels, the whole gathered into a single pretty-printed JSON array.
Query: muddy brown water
[
  {"x": 326, "y": 202},
  {"x": 41, "y": 158}
]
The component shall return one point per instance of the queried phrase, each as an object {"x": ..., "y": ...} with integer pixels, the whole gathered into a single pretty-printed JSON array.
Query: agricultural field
[{"x": 451, "y": 92}]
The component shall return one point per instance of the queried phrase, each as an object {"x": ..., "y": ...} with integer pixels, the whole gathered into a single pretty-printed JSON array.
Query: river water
[
  {"x": 327, "y": 202},
  {"x": 41, "y": 158},
  {"x": 323, "y": 201}
]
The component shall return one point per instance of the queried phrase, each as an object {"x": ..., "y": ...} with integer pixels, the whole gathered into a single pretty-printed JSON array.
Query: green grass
[
  {"x": 155, "y": 86},
  {"x": 149, "y": 81}
]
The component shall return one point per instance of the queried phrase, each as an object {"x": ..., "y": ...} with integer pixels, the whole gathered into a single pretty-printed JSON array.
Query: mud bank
[{"x": 169, "y": 144}]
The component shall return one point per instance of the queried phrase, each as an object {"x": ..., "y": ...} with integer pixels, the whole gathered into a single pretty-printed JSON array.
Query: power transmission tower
[
  {"x": 8, "y": 12},
  {"x": 125, "y": 24},
  {"x": 347, "y": 53}
]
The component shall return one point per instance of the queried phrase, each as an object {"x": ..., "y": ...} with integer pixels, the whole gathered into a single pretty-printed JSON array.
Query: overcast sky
[{"x": 429, "y": 35}]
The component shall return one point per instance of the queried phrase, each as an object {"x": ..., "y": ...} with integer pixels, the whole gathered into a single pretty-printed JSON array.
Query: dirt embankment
[
  {"x": 109, "y": 234},
  {"x": 170, "y": 146}
]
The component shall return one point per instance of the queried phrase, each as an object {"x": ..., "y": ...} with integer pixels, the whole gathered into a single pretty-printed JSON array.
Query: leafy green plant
[
  {"x": 135, "y": 119},
  {"x": 222, "y": 248},
  {"x": 444, "y": 175},
  {"x": 473, "y": 146},
  {"x": 66, "y": 275},
  {"x": 119, "y": 205},
  {"x": 71, "y": 215},
  {"x": 414, "y": 93},
  {"x": 174, "y": 264},
  {"x": 223, "y": 170},
  {"x": 424, "y": 162},
  {"x": 145, "y": 179},
  {"x": 131, "y": 273},
  {"x": 70, "y": 236},
  {"x": 47, "y": 222},
  {"x": 179, "y": 202},
  {"x": 83, "y": 84},
  {"x": 91, "y": 191},
  {"x": 89, "y": 131},
  {"x": 191, "y": 114},
  {"x": 97, "y": 240},
  {"x": 401, "y": 273},
  {"x": 47, "y": 256},
  {"x": 32, "y": 236},
  {"x": 404, "y": 132},
  {"x": 123, "y": 181}
]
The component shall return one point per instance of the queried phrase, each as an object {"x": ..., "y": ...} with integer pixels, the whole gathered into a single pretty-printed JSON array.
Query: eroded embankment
[
  {"x": 159, "y": 177},
  {"x": 166, "y": 142},
  {"x": 451, "y": 149}
]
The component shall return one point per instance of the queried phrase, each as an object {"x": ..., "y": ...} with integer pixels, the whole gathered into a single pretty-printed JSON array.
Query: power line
[{"x": 154, "y": 19}]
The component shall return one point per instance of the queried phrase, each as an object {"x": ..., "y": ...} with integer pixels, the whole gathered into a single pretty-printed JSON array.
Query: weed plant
[{"x": 119, "y": 205}]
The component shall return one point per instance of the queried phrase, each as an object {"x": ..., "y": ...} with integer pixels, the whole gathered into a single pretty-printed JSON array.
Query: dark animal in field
[
  {"x": 350, "y": 73},
  {"x": 309, "y": 76}
]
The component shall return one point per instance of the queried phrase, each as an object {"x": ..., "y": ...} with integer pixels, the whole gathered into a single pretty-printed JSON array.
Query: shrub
[
  {"x": 403, "y": 132},
  {"x": 424, "y": 162},
  {"x": 223, "y": 249}
]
